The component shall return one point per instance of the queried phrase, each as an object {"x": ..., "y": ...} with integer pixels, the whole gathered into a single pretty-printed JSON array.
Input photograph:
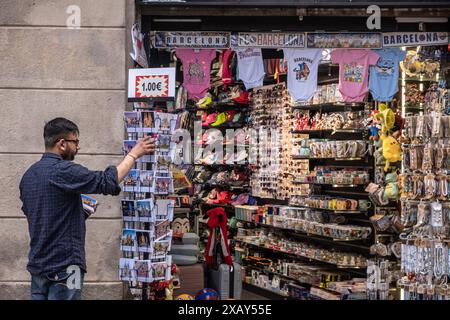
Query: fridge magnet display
[
  {"x": 146, "y": 181},
  {"x": 163, "y": 185},
  {"x": 148, "y": 121},
  {"x": 161, "y": 247},
  {"x": 131, "y": 181},
  {"x": 132, "y": 121},
  {"x": 126, "y": 270},
  {"x": 144, "y": 210},
  {"x": 159, "y": 270},
  {"x": 144, "y": 241},
  {"x": 129, "y": 210},
  {"x": 128, "y": 240},
  {"x": 164, "y": 208},
  {"x": 162, "y": 229},
  {"x": 143, "y": 270}
]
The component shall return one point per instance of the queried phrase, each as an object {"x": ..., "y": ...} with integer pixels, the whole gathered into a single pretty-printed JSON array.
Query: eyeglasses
[{"x": 77, "y": 142}]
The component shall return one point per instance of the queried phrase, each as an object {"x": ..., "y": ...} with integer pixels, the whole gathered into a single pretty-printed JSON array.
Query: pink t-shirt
[
  {"x": 354, "y": 71},
  {"x": 196, "y": 70}
]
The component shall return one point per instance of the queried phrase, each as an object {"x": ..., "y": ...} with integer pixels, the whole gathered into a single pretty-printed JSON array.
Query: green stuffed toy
[
  {"x": 378, "y": 154},
  {"x": 391, "y": 191},
  {"x": 392, "y": 150}
]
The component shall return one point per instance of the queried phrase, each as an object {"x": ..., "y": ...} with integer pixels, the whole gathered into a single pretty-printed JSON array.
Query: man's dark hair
[{"x": 58, "y": 128}]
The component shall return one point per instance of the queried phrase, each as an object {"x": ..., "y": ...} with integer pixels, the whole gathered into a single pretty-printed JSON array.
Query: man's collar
[{"x": 51, "y": 155}]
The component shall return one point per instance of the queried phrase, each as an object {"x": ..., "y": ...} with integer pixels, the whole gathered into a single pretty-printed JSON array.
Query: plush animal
[
  {"x": 378, "y": 154},
  {"x": 392, "y": 151},
  {"x": 386, "y": 117},
  {"x": 391, "y": 191}
]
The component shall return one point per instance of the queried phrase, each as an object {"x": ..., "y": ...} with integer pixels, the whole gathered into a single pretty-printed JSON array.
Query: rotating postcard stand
[{"x": 147, "y": 215}]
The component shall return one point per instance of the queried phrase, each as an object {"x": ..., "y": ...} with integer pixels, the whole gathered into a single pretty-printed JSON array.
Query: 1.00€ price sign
[{"x": 152, "y": 86}]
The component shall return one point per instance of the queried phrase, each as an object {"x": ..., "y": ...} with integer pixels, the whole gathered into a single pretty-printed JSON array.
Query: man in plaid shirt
[{"x": 50, "y": 192}]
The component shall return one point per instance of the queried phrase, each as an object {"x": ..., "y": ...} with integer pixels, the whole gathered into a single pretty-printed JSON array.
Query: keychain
[
  {"x": 430, "y": 186},
  {"x": 439, "y": 157},
  {"x": 427, "y": 162}
]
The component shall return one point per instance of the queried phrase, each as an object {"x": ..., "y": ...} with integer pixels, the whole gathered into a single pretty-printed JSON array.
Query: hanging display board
[
  {"x": 330, "y": 40},
  {"x": 344, "y": 40},
  {"x": 401, "y": 39},
  {"x": 174, "y": 39},
  {"x": 268, "y": 40},
  {"x": 155, "y": 83}
]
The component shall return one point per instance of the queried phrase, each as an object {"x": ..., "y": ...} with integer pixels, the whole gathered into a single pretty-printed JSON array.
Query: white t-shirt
[
  {"x": 303, "y": 65},
  {"x": 250, "y": 67}
]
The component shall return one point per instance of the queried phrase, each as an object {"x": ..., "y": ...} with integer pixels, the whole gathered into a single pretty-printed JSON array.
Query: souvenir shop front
[{"x": 290, "y": 164}]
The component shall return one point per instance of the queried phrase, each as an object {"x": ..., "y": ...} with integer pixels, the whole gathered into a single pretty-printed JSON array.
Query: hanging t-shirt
[
  {"x": 383, "y": 79},
  {"x": 251, "y": 67},
  {"x": 196, "y": 70},
  {"x": 303, "y": 65},
  {"x": 353, "y": 72}
]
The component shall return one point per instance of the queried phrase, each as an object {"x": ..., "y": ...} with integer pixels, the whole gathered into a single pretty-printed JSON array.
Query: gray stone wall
[{"x": 48, "y": 70}]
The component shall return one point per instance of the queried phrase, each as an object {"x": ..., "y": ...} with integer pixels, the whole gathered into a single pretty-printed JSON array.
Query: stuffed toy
[
  {"x": 378, "y": 155},
  {"x": 392, "y": 151},
  {"x": 391, "y": 191},
  {"x": 386, "y": 117}
]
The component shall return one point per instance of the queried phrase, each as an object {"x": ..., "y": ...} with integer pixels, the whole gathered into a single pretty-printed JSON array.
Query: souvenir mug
[
  {"x": 341, "y": 149},
  {"x": 341, "y": 204},
  {"x": 364, "y": 204},
  {"x": 363, "y": 148},
  {"x": 352, "y": 204},
  {"x": 351, "y": 150}
]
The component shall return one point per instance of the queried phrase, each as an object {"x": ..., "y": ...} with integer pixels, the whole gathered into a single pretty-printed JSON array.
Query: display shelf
[
  {"x": 222, "y": 106},
  {"x": 294, "y": 157},
  {"x": 332, "y": 210},
  {"x": 272, "y": 295},
  {"x": 330, "y": 185},
  {"x": 332, "y": 106},
  {"x": 224, "y": 127},
  {"x": 312, "y": 235},
  {"x": 299, "y": 281},
  {"x": 227, "y": 186},
  {"x": 300, "y": 256},
  {"x": 331, "y": 131}
]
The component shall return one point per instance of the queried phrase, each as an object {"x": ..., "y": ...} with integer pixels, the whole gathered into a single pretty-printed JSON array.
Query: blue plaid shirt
[{"x": 50, "y": 192}]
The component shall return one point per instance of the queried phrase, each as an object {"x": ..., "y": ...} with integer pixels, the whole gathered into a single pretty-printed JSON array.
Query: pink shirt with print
[
  {"x": 196, "y": 70},
  {"x": 354, "y": 72}
]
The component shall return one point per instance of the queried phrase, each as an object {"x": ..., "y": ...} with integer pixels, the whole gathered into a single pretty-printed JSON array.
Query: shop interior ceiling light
[
  {"x": 421, "y": 19},
  {"x": 178, "y": 20}
]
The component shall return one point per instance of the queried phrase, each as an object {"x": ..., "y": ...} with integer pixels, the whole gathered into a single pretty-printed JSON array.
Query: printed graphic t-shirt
[
  {"x": 353, "y": 72},
  {"x": 303, "y": 65},
  {"x": 383, "y": 79},
  {"x": 196, "y": 70},
  {"x": 251, "y": 67}
]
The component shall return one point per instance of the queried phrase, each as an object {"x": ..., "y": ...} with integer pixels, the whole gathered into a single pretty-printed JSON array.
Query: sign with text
[
  {"x": 175, "y": 39},
  {"x": 404, "y": 39},
  {"x": 268, "y": 40},
  {"x": 344, "y": 40},
  {"x": 156, "y": 83}
]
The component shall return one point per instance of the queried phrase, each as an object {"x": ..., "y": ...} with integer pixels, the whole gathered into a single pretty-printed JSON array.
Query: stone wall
[{"x": 48, "y": 70}]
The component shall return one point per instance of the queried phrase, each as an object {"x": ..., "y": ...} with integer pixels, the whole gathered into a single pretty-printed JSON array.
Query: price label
[
  {"x": 151, "y": 83},
  {"x": 152, "y": 86}
]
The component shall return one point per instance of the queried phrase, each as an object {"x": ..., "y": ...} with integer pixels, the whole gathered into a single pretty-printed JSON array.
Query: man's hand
[{"x": 143, "y": 146}]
